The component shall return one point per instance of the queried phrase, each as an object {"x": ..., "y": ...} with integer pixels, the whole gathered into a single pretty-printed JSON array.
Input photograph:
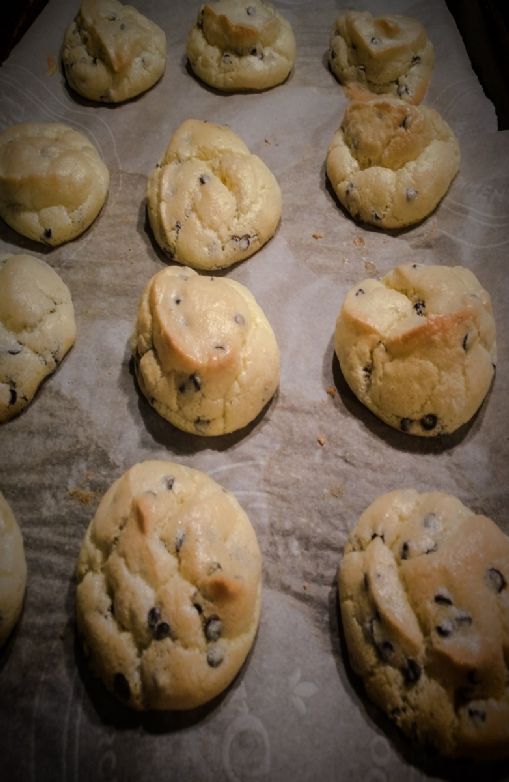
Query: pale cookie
[
  {"x": 13, "y": 570},
  {"x": 52, "y": 181},
  {"x": 238, "y": 45},
  {"x": 385, "y": 55},
  {"x": 391, "y": 163},
  {"x": 418, "y": 347},
  {"x": 111, "y": 52},
  {"x": 37, "y": 329},
  {"x": 169, "y": 587},
  {"x": 205, "y": 354},
  {"x": 211, "y": 202},
  {"x": 423, "y": 587}
]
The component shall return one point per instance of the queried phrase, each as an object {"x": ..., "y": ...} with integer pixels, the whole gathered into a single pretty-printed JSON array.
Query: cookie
[
  {"x": 423, "y": 587},
  {"x": 211, "y": 203},
  {"x": 418, "y": 347},
  {"x": 111, "y": 52},
  {"x": 37, "y": 329},
  {"x": 390, "y": 163},
  {"x": 385, "y": 55},
  {"x": 13, "y": 570},
  {"x": 237, "y": 46},
  {"x": 204, "y": 353},
  {"x": 52, "y": 181},
  {"x": 169, "y": 587}
]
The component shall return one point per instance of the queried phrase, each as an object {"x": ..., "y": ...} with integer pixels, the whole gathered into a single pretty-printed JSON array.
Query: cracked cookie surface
[
  {"x": 205, "y": 354},
  {"x": 211, "y": 203},
  {"x": 37, "y": 328},
  {"x": 13, "y": 570},
  {"x": 390, "y": 163},
  {"x": 386, "y": 55},
  {"x": 418, "y": 347},
  {"x": 111, "y": 52},
  {"x": 241, "y": 46},
  {"x": 424, "y": 597},
  {"x": 53, "y": 183},
  {"x": 169, "y": 587}
]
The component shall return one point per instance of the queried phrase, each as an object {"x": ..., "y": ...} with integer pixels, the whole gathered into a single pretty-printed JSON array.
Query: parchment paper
[{"x": 296, "y": 711}]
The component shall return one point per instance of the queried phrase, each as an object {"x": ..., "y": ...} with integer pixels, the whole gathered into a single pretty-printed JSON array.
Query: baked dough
[
  {"x": 37, "y": 328},
  {"x": 111, "y": 52},
  {"x": 205, "y": 354},
  {"x": 418, "y": 347},
  {"x": 52, "y": 181},
  {"x": 423, "y": 587},
  {"x": 238, "y": 45},
  {"x": 169, "y": 587},
  {"x": 211, "y": 202},
  {"x": 13, "y": 570},
  {"x": 391, "y": 163},
  {"x": 387, "y": 54}
]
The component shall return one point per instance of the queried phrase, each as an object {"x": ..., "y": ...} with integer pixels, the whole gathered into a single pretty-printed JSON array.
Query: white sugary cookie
[
  {"x": 211, "y": 202},
  {"x": 387, "y": 54},
  {"x": 111, "y": 52},
  {"x": 52, "y": 181},
  {"x": 238, "y": 45},
  {"x": 169, "y": 587},
  {"x": 37, "y": 328},
  {"x": 205, "y": 354},
  {"x": 13, "y": 570},
  {"x": 390, "y": 163},
  {"x": 423, "y": 588},
  {"x": 418, "y": 347}
]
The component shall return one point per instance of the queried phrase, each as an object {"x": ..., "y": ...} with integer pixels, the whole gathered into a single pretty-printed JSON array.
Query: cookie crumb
[
  {"x": 321, "y": 440},
  {"x": 52, "y": 65},
  {"x": 370, "y": 267},
  {"x": 317, "y": 236},
  {"x": 337, "y": 491},
  {"x": 83, "y": 496},
  {"x": 358, "y": 241},
  {"x": 331, "y": 391}
]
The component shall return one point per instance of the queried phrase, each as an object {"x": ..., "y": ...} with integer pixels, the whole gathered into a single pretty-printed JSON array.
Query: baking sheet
[{"x": 295, "y": 711}]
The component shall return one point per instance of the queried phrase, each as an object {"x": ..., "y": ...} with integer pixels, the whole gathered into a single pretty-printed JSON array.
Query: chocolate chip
[
  {"x": 411, "y": 671},
  {"x": 367, "y": 371},
  {"x": 198, "y": 607},
  {"x": 251, "y": 10},
  {"x": 416, "y": 59},
  {"x": 161, "y": 631},
  {"x": 374, "y": 40},
  {"x": 240, "y": 319},
  {"x": 359, "y": 291},
  {"x": 48, "y": 233},
  {"x": 385, "y": 649},
  {"x": 121, "y": 687},
  {"x": 349, "y": 188},
  {"x": 203, "y": 179},
  {"x": 178, "y": 300},
  {"x": 411, "y": 193},
  {"x": 153, "y": 617},
  {"x": 405, "y": 424},
  {"x": 213, "y": 567},
  {"x": 199, "y": 421},
  {"x": 378, "y": 535},
  {"x": 366, "y": 581},
  {"x": 476, "y": 715},
  {"x": 178, "y": 226},
  {"x": 15, "y": 351},
  {"x": 402, "y": 90},
  {"x": 442, "y": 599},
  {"x": 407, "y": 121},
  {"x": 196, "y": 381},
  {"x": 169, "y": 482},
  {"x": 429, "y": 421},
  {"x": 445, "y": 629},
  {"x": 13, "y": 396},
  {"x": 332, "y": 54},
  {"x": 215, "y": 657},
  {"x": 463, "y": 618},
  {"x": 420, "y": 307},
  {"x": 376, "y": 216},
  {"x": 213, "y": 628},
  {"x": 227, "y": 57},
  {"x": 473, "y": 676},
  {"x": 179, "y": 540},
  {"x": 495, "y": 580},
  {"x": 94, "y": 61}
]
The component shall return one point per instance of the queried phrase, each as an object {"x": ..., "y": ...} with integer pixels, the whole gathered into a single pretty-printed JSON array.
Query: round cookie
[
  {"x": 391, "y": 163},
  {"x": 211, "y": 203},
  {"x": 13, "y": 570},
  {"x": 205, "y": 354},
  {"x": 37, "y": 328},
  {"x": 52, "y": 181},
  {"x": 241, "y": 46},
  {"x": 423, "y": 587},
  {"x": 111, "y": 52},
  {"x": 169, "y": 587},
  {"x": 418, "y": 347},
  {"x": 386, "y": 55}
]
